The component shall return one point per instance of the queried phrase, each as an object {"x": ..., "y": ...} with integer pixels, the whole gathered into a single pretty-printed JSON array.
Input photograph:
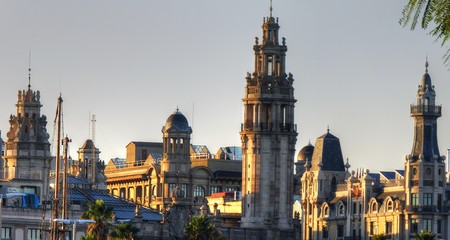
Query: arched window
[
  {"x": 199, "y": 191},
  {"x": 341, "y": 211},
  {"x": 390, "y": 206},
  {"x": 374, "y": 207},
  {"x": 326, "y": 211}
]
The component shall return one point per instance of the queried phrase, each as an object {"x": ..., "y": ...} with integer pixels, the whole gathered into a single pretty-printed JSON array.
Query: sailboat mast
[
  {"x": 64, "y": 187},
  {"x": 55, "y": 205}
]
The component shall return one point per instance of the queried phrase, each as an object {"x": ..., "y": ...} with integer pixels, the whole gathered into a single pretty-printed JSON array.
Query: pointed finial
[
  {"x": 29, "y": 70},
  {"x": 426, "y": 64},
  {"x": 178, "y": 110},
  {"x": 271, "y": 8},
  {"x": 328, "y": 128}
]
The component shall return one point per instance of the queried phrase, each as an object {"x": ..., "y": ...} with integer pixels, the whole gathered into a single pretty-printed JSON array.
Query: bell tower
[
  {"x": 268, "y": 135},
  {"x": 27, "y": 150},
  {"x": 424, "y": 167}
]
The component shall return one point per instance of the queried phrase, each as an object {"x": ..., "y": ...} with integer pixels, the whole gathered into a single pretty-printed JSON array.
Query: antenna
[
  {"x": 192, "y": 122},
  {"x": 29, "y": 70},
  {"x": 93, "y": 159}
]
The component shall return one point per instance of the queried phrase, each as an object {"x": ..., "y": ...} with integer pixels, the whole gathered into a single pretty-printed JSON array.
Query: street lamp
[
  {"x": 74, "y": 222},
  {"x": 7, "y": 195}
]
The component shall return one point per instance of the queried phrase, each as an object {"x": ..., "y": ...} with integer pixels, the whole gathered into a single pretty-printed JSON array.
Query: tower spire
[
  {"x": 271, "y": 8},
  {"x": 426, "y": 64},
  {"x": 29, "y": 71}
]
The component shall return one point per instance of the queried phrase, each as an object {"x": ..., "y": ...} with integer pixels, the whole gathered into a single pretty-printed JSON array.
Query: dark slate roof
[
  {"x": 305, "y": 153},
  {"x": 73, "y": 180},
  {"x": 375, "y": 176},
  {"x": 222, "y": 174},
  {"x": 88, "y": 144},
  {"x": 401, "y": 172},
  {"x": 388, "y": 175},
  {"x": 178, "y": 121},
  {"x": 328, "y": 150},
  {"x": 122, "y": 208}
]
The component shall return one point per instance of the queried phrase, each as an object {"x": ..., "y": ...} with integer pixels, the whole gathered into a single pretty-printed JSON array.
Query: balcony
[{"x": 429, "y": 110}]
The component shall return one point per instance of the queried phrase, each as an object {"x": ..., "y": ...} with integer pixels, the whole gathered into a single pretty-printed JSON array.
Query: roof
[
  {"x": 401, "y": 172},
  {"x": 388, "y": 175},
  {"x": 223, "y": 174},
  {"x": 146, "y": 144},
  {"x": 375, "y": 176},
  {"x": 88, "y": 144},
  {"x": 177, "y": 121},
  {"x": 199, "y": 149},
  {"x": 328, "y": 152},
  {"x": 231, "y": 153},
  {"x": 122, "y": 208},
  {"x": 306, "y": 153}
]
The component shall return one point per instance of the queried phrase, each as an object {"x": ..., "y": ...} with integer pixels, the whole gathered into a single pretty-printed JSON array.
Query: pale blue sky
[{"x": 133, "y": 62}]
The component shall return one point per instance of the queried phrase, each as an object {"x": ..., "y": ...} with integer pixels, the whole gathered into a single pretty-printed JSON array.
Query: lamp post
[
  {"x": 74, "y": 222},
  {"x": 7, "y": 195}
]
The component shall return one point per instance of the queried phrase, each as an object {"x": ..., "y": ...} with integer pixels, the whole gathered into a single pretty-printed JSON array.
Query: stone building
[
  {"x": 153, "y": 170},
  {"x": 338, "y": 204},
  {"x": 268, "y": 137}
]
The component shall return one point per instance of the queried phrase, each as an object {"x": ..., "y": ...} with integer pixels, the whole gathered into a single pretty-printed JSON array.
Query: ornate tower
[
  {"x": 27, "y": 150},
  {"x": 176, "y": 163},
  {"x": 268, "y": 136},
  {"x": 424, "y": 167}
]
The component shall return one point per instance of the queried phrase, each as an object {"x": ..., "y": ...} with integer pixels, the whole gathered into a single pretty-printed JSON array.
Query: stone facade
[
  {"x": 337, "y": 204},
  {"x": 268, "y": 136}
]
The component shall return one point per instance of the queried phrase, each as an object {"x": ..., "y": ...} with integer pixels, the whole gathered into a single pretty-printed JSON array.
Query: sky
[{"x": 132, "y": 63}]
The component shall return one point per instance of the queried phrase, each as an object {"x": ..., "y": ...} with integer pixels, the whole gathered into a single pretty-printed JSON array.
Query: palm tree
[
  {"x": 429, "y": 12},
  {"x": 125, "y": 231},
  {"x": 201, "y": 228},
  {"x": 102, "y": 215}
]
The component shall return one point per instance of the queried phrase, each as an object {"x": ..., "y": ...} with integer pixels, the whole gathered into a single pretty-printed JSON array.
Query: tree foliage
[
  {"x": 425, "y": 235},
  {"x": 125, "y": 231},
  {"x": 427, "y": 13},
  {"x": 102, "y": 215},
  {"x": 379, "y": 237},
  {"x": 202, "y": 228}
]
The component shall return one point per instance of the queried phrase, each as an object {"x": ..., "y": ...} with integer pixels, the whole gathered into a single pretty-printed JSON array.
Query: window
[
  {"x": 6, "y": 233},
  {"x": 388, "y": 229},
  {"x": 427, "y": 199},
  {"x": 34, "y": 234},
  {"x": 172, "y": 186},
  {"x": 390, "y": 206},
  {"x": 354, "y": 207},
  {"x": 374, "y": 207},
  {"x": 414, "y": 226},
  {"x": 414, "y": 199},
  {"x": 341, "y": 210},
  {"x": 340, "y": 230},
  {"x": 427, "y": 224},
  {"x": 185, "y": 189},
  {"x": 325, "y": 232},
  {"x": 439, "y": 226},
  {"x": 215, "y": 189},
  {"x": 326, "y": 211},
  {"x": 199, "y": 191},
  {"x": 373, "y": 228}
]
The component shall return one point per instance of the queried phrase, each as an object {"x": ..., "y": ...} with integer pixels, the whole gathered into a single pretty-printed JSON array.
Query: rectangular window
[
  {"x": 439, "y": 201},
  {"x": 340, "y": 230},
  {"x": 427, "y": 199},
  {"x": 215, "y": 189},
  {"x": 372, "y": 228},
  {"x": 172, "y": 186},
  {"x": 427, "y": 224},
  {"x": 184, "y": 188},
  {"x": 388, "y": 229},
  {"x": 439, "y": 226},
  {"x": 34, "y": 234},
  {"x": 414, "y": 199},
  {"x": 414, "y": 226},
  {"x": 6, "y": 233},
  {"x": 325, "y": 233},
  {"x": 354, "y": 207}
]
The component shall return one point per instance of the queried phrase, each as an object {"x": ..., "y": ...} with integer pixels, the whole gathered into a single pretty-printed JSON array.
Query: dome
[
  {"x": 305, "y": 153},
  {"x": 88, "y": 144},
  {"x": 178, "y": 121}
]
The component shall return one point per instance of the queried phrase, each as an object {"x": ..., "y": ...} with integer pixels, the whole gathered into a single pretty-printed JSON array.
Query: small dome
[
  {"x": 426, "y": 82},
  {"x": 88, "y": 144},
  {"x": 305, "y": 153},
  {"x": 178, "y": 121}
]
